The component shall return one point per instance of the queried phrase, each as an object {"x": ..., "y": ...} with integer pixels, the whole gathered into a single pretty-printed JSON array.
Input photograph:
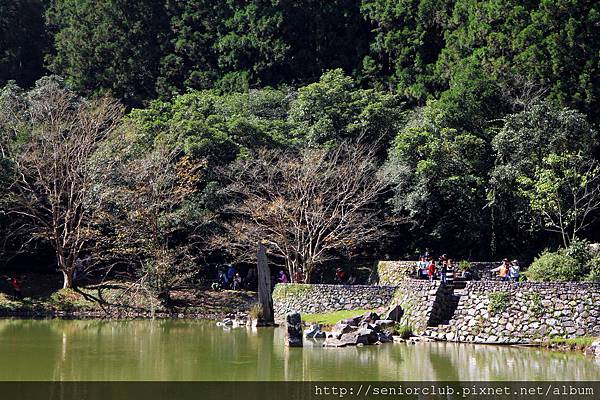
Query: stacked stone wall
[
  {"x": 503, "y": 312},
  {"x": 485, "y": 312},
  {"x": 316, "y": 299}
]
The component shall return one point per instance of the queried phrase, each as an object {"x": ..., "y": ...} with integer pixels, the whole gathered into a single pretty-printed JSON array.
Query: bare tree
[
  {"x": 143, "y": 201},
  {"x": 50, "y": 136},
  {"x": 307, "y": 208}
]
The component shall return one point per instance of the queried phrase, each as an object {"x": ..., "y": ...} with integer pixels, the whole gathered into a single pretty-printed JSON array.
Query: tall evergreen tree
[{"x": 23, "y": 41}]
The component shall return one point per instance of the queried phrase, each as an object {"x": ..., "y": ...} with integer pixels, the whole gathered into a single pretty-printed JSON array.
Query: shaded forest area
[{"x": 162, "y": 138}]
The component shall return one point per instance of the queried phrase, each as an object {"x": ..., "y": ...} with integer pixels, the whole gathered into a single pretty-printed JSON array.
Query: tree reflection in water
[{"x": 193, "y": 350}]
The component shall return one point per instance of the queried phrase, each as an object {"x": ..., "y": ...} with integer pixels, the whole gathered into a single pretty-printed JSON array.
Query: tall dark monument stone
[{"x": 264, "y": 285}]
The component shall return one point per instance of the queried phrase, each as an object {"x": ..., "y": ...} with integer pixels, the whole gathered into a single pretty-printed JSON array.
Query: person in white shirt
[{"x": 514, "y": 271}]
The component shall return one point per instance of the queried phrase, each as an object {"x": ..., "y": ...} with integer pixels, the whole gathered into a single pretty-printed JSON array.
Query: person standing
[
  {"x": 514, "y": 272},
  {"x": 443, "y": 270},
  {"x": 431, "y": 270},
  {"x": 449, "y": 271},
  {"x": 502, "y": 270},
  {"x": 231, "y": 271},
  {"x": 16, "y": 286},
  {"x": 282, "y": 277},
  {"x": 237, "y": 281}
]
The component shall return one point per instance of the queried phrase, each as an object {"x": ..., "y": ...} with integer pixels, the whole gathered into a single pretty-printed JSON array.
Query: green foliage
[
  {"x": 409, "y": 37},
  {"x": 555, "y": 267},
  {"x": 333, "y": 109},
  {"x": 333, "y": 317},
  {"x": 594, "y": 270},
  {"x": 579, "y": 249},
  {"x": 109, "y": 46},
  {"x": 536, "y": 307},
  {"x": 439, "y": 178},
  {"x": 520, "y": 147},
  {"x": 573, "y": 343},
  {"x": 464, "y": 265},
  {"x": 23, "y": 41},
  {"x": 564, "y": 190},
  {"x": 507, "y": 92},
  {"x": 137, "y": 49},
  {"x": 548, "y": 43},
  {"x": 499, "y": 301},
  {"x": 214, "y": 127},
  {"x": 405, "y": 330},
  {"x": 69, "y": 300}
]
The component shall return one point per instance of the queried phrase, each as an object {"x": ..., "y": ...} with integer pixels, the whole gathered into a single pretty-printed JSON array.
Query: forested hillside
[{"x": 162, "y": 137}]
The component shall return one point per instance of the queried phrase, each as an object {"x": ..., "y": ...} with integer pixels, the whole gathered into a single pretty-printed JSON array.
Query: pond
[{"x": 175, "y": 350}]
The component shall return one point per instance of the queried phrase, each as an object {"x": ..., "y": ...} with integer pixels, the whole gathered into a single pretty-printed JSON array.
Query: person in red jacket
[
  {"x": 16, "y": 285},
  {"x": 431, "y": 269}
]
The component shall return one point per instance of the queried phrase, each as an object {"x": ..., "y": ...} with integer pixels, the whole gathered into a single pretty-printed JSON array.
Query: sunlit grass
[
  {"x": 579, "y": 342},
  {"x": 331, "y": 318}
]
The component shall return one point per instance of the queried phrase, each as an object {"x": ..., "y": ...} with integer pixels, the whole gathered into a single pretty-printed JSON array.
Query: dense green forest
[{"x": 161, "y": 138}]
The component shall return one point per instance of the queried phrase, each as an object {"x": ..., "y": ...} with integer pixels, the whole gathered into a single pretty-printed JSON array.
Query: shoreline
[
  {"x": 125, "y": 315},
  {"x": 591, "y": 350},
  {"x": 117, "y": 299}
]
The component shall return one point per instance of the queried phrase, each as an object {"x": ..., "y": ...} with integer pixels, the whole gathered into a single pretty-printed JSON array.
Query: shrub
[
  {"x": 256, "y": 311},
  {"x": 464, "y": 265},
  {"x": 68, "y": 300},
  {"x": 405, "y": 331},
  {"x": 555, "y": 266},
  {"x": 499, "y": 301},
  {"x": 536, "y": 307},
  {"x": 579, "y": 249},
  {"x": 594, "y": 270}
]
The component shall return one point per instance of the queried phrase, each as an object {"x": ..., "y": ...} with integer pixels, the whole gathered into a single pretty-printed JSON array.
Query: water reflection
[{"x": 184, "y": 350}]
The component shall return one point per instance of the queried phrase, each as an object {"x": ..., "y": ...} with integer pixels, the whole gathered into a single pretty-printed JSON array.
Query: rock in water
[
  {"x": 395, "y": 313},
  {"x": 293, "y": 337},
  {"x": 339, "y": 329},
  {"x": 314, "y": 332}
]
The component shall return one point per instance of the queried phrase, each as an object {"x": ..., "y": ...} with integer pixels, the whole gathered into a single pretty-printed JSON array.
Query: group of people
[
  {"x": 443, "y": 269},
  {"x": 508, "y": 271},
  {"x": 230, "y": 278}
]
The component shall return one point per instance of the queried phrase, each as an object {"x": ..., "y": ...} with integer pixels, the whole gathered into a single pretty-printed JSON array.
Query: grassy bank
[
  {"x": 42, "y": 296},
  {"x": 579, "y": 343},
  {"x": 332, "y": 318}
]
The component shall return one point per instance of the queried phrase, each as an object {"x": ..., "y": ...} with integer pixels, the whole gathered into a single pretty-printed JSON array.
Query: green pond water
[{"x": 66, "y": 350}]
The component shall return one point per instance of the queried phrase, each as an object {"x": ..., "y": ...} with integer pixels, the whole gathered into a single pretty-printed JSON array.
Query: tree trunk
[
  {"x": 264, "y": 285},
  {"x": 68, "y": 279}
]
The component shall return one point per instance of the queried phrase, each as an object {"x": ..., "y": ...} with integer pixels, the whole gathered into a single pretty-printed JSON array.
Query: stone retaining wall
[
  {"x": 423, "y": 303},
  {"x": 483, "y": 312},
  {"x": 523, "y": 312},
  {"x": 315, "y": 299},
  {"x": 394, "y": 272}
]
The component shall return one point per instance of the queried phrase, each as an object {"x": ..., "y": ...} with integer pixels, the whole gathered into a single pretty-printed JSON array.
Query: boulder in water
[
  {"x": 339, "y": 329},
  {"x": 385, "y": 323},
  {"x": 369, "y": 317},
  {"x": 293, "y": 337},
  {"x": 314, "y": 332}
]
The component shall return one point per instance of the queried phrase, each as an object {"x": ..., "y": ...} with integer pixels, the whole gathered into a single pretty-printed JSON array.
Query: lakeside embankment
[
  {"x": 42, "y": 297},
  {"x": 560, "y": 315}
]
